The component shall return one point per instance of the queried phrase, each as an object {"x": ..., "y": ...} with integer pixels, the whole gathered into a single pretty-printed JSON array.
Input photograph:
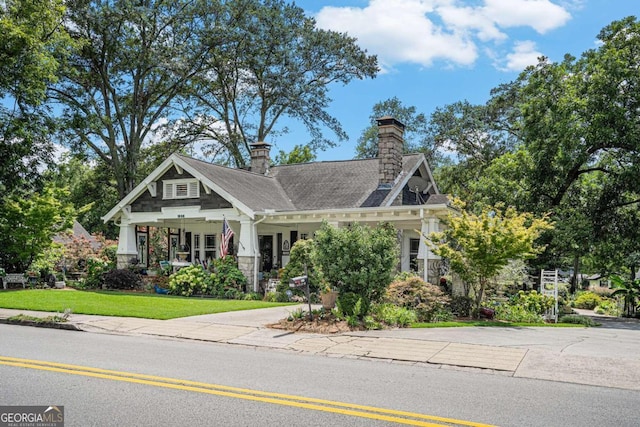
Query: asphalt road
[{"x": 121, "y": 397}]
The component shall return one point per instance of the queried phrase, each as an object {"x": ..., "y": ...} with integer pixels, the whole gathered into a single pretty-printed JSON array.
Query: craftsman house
[{"x": 270, "y": 207}]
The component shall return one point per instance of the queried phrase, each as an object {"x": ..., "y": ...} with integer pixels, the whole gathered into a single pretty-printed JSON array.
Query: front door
[{"x": 266, "y": 252}]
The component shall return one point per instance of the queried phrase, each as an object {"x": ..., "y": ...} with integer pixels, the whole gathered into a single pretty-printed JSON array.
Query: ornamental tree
[{"x": 479, "y": 246}]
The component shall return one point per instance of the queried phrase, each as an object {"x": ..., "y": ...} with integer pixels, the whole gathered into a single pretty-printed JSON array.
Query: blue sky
[{"x": 436, "y": 52}]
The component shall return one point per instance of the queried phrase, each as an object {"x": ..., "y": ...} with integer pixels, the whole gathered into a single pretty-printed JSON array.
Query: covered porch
[{"x": 261, "y": 245}]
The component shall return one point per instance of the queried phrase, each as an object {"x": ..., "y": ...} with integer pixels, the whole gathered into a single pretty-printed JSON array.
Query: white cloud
[
  {"x": 524, "y": 54},
  {"x": 541, "y": 15},
  {"x": 424, "y": 31}
]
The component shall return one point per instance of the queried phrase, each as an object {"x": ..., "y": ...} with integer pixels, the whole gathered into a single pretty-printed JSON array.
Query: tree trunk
[{"x": 574, "y": 279}]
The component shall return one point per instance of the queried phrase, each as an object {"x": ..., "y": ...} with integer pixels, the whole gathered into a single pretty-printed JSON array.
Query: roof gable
[{"x": 345, "y": 184}]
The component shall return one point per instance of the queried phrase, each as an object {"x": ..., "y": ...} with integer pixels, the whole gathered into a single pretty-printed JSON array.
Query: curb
[{"x": 50, "y": 325}]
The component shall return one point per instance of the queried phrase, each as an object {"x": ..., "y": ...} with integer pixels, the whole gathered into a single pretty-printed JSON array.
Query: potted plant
[{"x": 328, "y": 297}]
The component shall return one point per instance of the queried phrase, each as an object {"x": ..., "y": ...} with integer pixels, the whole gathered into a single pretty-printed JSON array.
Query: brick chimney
[
  {"x": 260, "y": 157},
  {"x": 390, "y": 149}
]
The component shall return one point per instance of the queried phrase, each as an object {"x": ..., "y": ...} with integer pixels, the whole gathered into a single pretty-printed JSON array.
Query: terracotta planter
[{"x": 329, "y": 299}]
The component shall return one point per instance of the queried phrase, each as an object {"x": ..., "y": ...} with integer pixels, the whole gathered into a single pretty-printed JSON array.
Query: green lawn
[
  {"x": 109, "y": 303},
  {"x": 482, "y": 323}
]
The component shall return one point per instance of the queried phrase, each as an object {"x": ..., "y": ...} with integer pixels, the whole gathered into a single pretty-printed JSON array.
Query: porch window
[
  {"x": 181, "y": 189},
  {"x": 209, "y": 247},
  {"x": 414, "y": 244}
]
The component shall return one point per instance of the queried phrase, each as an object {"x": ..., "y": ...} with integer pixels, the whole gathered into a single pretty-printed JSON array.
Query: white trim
[
  {"x": 212, "y": 185},
  {"x": 399, "y": 186},
  {"x": 377, "y": 214},
  {"x": 176, "y": 161},
  {"x": 152, "y": 187}
]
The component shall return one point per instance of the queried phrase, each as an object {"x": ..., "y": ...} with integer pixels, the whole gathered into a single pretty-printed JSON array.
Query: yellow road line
[{"x": 241, "y": 393}]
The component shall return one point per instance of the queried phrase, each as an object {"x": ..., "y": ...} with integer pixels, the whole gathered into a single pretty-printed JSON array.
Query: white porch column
[
  {"x": 245, "y": 245},
  {"x": 246, "y": 253},
  {"x": 429, "y": 225},
  {"x": 423, "y": 250},
  {"x": 127, "y": 248}
]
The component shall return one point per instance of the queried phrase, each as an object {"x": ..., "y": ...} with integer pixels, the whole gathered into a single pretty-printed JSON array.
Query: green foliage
[
  {"x": 92, "y": 190},
  {"x": 189, "y": 280},
  {"x": 533, "y": 301},
  {"x": 227, "y": 275},
  {"x": 284, "y": 64},
  {"x": 608, "y": 307},
  {"x": 252, "y": 296},
  {"x": 629, "y": 290},
  {"x": 357, "y": 259},
  {"x": 276, "y": 297},
  {"x": 300, "y": 256},
  {"x": 392, "y": 315},
  {"x": 299, "y": 154},
  {"x": 578, "y": 320},
  {"x": 417, "y": 134},
  {"x": 479, "y": 246},
  {"x": 516, "y": 313},
  {"x": 524, "y": 307},
  {"x": 96, "y": 268},
  {"x": 121, "y": 279},
  {"x": 48, "y": 260},
  {"x": 587, "y": 300},
  {"x": 225, "y": 280},
  {"x": 427, "y": 300},
  {"x": 461, "y": 305},
  {"x": 28, "y": 224},
  {"x": 33, "y": 41},
  {"x": 352, "y": 304}
]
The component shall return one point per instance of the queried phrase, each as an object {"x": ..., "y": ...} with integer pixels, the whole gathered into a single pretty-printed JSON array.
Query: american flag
[{"x": 227, "y": 234}]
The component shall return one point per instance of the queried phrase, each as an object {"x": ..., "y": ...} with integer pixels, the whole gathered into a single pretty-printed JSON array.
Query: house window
[
  {"x": 181, "y": 189},
  {"x": 414, "y": 245},
  {"x": 196, "y": 246},
  {"x": 209, "y": 247}
]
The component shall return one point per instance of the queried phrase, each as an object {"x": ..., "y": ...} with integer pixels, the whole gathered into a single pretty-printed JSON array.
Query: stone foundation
[
  {"x": 245, "y": 265},
  {"x": 124, "y": 260}
]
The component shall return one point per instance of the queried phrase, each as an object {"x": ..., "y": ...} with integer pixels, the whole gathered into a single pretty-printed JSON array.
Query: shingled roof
[{"x": 307, "y": 186}]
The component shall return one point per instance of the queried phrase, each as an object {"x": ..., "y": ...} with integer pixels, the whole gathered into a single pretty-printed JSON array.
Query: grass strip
[
  {"x": 482, "y": 323},
  {"x": 122, "y": 304}
]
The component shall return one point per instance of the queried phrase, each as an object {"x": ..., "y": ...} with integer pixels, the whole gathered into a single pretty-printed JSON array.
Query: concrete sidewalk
[{"x": 606, "y": 356}]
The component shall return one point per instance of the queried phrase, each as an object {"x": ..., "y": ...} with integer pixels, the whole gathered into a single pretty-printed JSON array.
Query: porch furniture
[
  {"x": 177, "y": 265},
  {"x": 165, "y": 266},
  {"x": 14, "y": 278}
]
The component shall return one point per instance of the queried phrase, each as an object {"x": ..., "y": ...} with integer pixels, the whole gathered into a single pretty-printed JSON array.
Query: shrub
[
  {"x": 227, "y": 274},
  {"x": 300, "y": 256},
  {"x": 121, "y": 279},
  {"x": 516, "y": 313},
  {"x": 587, "y": 300},
  {"x": 461, "y": 305},
  {"x": 358, "y": 258},
  {"x": 608, "y": 307},
  {"x": 189, "y": 280},
  {"x": 426, "y": 299},
  {"x": 276, "y": 297},
  {"x": 393, "y": 315},
  {"x": 578, "y": 320},
  {"x": 252, "y": 296},
  {"x": 533, "y": 301},
  {"x": 352, "y": 304},
  {"x": 96, "y": 268}
]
